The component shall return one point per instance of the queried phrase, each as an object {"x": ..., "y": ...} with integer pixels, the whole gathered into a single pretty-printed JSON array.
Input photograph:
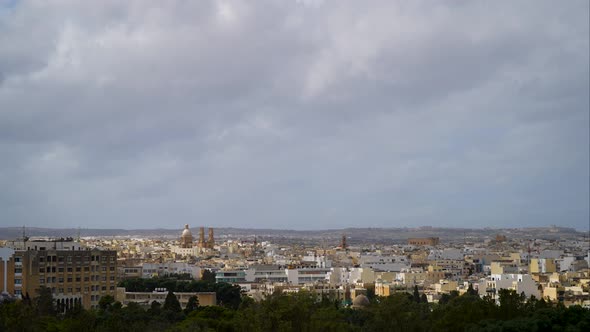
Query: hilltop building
[{"x": 427, "y": 241}]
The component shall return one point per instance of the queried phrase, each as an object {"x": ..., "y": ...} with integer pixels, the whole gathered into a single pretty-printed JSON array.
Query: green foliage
[
  {"x": 44, "y": 302},
  {"x": 208, "y": 276},
  {"x": 171, "y": 303},
  {"x": 302, "y": 311},
  {"x": 192, "y": 305}
]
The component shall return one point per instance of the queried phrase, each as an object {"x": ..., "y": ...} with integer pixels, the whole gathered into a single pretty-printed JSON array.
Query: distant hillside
[{"x": 355, "y": 235}]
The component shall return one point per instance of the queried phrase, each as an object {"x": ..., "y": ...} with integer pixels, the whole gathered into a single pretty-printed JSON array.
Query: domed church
[{"x": 186, "y": 239}]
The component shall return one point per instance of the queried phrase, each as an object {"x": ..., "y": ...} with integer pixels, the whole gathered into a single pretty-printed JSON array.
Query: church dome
[
  {"x": 361, "y": 301},
  {"x": 186, "y": 232}
]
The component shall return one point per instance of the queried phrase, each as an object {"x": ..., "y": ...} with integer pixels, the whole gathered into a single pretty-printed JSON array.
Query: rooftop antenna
[{"x": 25, "y": 238}]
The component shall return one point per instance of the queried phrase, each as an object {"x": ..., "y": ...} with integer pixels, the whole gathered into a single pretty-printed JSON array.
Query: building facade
[
  {"x": 75, "y": 277},
  {"x": 427, "y": 241}
]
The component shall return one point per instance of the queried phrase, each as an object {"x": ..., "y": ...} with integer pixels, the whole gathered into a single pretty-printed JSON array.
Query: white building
[
  {"x": 44, "y": 244},
  {"x": 150, "y": 270},
  {"x": 394, "y": 263},
  {"x": 518, "y": 282},
  {"x": 446, "y": 253}
]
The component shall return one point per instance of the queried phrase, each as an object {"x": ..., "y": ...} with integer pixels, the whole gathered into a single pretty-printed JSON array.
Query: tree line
[{"x": 302, "y": 311}]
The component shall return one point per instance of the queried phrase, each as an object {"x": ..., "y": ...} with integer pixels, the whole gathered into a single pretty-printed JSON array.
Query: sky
[{"x": 294, "y": 114}]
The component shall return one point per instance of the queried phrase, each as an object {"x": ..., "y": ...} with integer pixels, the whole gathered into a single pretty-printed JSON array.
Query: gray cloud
[{"x": 297, "y": 114}]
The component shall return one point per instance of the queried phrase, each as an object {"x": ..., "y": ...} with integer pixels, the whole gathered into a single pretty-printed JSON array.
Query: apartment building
[
  {"x": 75, "y": 277},
  {"x": 8, "y": 272}
]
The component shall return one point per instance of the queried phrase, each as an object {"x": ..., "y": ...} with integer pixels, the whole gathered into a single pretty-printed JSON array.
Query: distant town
[{"x": 350, "y": 266}]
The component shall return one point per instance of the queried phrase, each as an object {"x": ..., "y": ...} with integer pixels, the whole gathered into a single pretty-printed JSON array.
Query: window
[
  {"x": 18, "y": 281},
  {"x": 60, "y": 258},
  {"x": 69, "y": 279},
  {"x": 78, "y": 278},
  {"x": 78, "y": 269},
  {"x": 78, "y": 289},
  {"x": 112, "y": 288},
  {"x": 61, "y": 269},
  {"x": 86, "y": 279},
  {"x": 69, "y": 258},
  {"x": 104, "y": 269},
  {"x": 18, "y": 292},
  {"x": 41, "y": 259},
  {"x": 18, "y": 270},
  {"x": 112, "y": 268},
  {"x": 104, "y": 278},
  {"x": 104, "y": 288},
  {"x": 86, "y": 269},
  {"x": 69, "y": 289},
  {"x": 61, "y": 290},
  {"x": 42, "y": 281},
  {"x": 42, "y": 270},
  {"x": 70, "y": 269},
  {"x": 112, "y": 278},
  {"x": 49, "y": 269},
  {"x": 53, "y": 269},
  {"x": 60, "y": 280},
  {"x": 16, "y": 259}
]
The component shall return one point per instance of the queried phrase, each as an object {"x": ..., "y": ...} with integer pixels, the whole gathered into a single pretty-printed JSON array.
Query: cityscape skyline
[{"x": 305, "y": 115}]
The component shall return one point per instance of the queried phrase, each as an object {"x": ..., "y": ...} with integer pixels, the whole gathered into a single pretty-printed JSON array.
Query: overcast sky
[{"x": 294, "y": 114}]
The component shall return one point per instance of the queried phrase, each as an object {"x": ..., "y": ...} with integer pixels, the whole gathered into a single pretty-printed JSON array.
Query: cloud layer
[{"x": 294, "y": 114}]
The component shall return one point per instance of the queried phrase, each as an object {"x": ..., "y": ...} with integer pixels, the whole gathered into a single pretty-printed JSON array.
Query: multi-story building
[
  {"x": 159, "y": 295},
  {"x": 150, "y": 270},
  {"x": 394, "y": 263},
  {"x": 76, "y": 276},
  {"x": 10, "y": 272},
  {"x": 521, "y": 283},
  {"x": 542, "y": 265}
]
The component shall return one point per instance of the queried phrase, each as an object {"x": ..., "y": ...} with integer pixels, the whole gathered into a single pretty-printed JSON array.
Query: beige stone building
[
  {"x": 427, "y": 241},
  {"x": 9, "y": 270},
  {"x": 75, "y": 277},
  {"x": 146, "y": 298}
]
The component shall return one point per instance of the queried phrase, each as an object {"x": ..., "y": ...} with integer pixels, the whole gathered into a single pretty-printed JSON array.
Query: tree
[
  {"x": 171, "y": 303},
  {"x": 416, "y": 295},
  {"x": 192, "y": 305},
  {"x": 106, "y": 302},
  {"x": 470, "y": 290},
  {"x": 155, "y": 308},
  {"x": 228, "y": 295},
  {"x": 423, "y": 298},
  {"x": 208, "y": 276},
  {"x": 511, "y": 303},
  {"x": 44, "y": 302}
]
